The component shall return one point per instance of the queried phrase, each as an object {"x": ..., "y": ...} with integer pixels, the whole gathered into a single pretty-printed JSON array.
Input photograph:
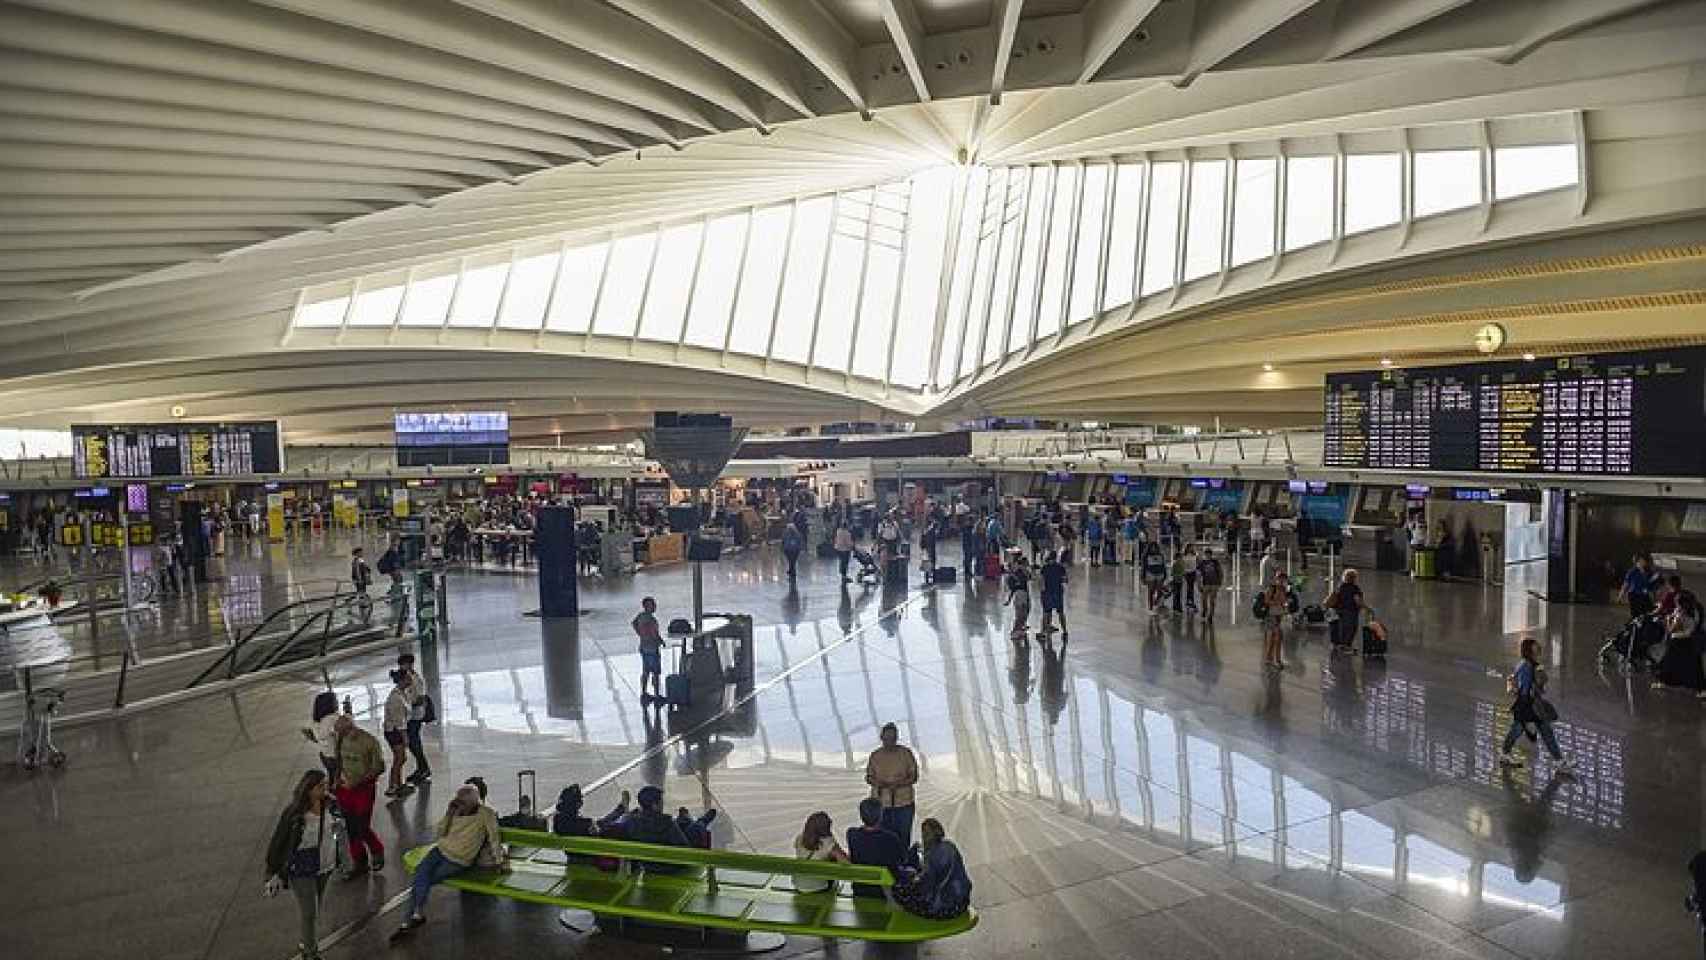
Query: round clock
[{"x": 1490, "y": 338}]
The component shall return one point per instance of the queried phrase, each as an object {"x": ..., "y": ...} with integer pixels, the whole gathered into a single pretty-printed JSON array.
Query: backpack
[
  {"x": 1259, "y": 607},
  {"x": 1209, "y": 570},
  {"x": 388, "y": 562}
]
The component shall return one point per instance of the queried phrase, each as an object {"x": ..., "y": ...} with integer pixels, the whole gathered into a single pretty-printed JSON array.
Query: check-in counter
[
  {"x": 1371, "y": 547},
  {"x": 666, "y": 548}
]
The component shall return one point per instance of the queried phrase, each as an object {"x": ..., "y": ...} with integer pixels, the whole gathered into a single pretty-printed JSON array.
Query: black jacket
[{"x": 287, "y": 836}]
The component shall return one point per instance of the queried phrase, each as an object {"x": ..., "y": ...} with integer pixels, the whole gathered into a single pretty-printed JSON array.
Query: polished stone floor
[{"x": 1142, "y": 790}]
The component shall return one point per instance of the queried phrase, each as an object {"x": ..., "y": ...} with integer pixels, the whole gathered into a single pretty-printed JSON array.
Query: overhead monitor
[
  {"x": 103, "y": 451},
  {"x": 452, "y": 439},
  {"x": 1613, "y": 414}
]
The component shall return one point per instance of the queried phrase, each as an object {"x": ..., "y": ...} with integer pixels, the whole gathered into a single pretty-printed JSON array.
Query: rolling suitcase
[
  {"x": 678, "y": 690},
  {"x": 945, "y": 575},
  {"x": 1374, "y": 641},
  {"x": 526, "y": 816}
]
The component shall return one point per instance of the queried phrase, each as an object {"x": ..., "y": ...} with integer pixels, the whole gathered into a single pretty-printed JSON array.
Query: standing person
[
  {"x": 1154, "y": 566},
  {"x": 1019, "y": 593},
  {"x": 1190, "y": 579},
  {"x": 892, "y": 771},
  {"x": 817, "y": 842},
  {"x": 888, "y": 538},
  {"x": 467, "y": 835},
  {"x": 1527, "y": 685},
  {"x": 302, "y": 853},
  {"x": 940, "y": 888},
  {"x": 971, "y": 550},
  {"x": 1274, "y": 598},
  {"x": 1209, "y": 578},
  {"x": 929, "y": 538},
  {"x": 419, "y": 703},
  {"x": 1054, "y": 593},
  {"x": 1346, "y": 601},
  {"x": 870, "y": 845},
  {"x": 651, "y": 647},
  {"x": 1176, "y": 583},
  {"x": 1068, "y": 542},
  {"x": 1684, "y": 662},
  {"x": 1131, "y": 532},
  {"x": 1417, "y": 529},
  {"x": 843, "y": 547},
  {"x": 322, "y": 731},
  {"x": 396, "y": 727},
  {"x": 1258, "y": 533},
  {"x": 1637, "y": 588},
  {"x": 792, "y": 541},
  {"x": 994, "y": 536},
  {"x": 1093, "y": 533},
  {"x": 360, "y": 762},
  {"x": 360, "y": 574}
]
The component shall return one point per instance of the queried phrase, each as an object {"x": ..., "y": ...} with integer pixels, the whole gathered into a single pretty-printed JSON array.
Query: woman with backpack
[
  {"x": 1154, "y": 566},
  {"x": 1527, "y": 686},
  {"x": 302, "y": 853},
  {"x": 1209, "y": 578}
]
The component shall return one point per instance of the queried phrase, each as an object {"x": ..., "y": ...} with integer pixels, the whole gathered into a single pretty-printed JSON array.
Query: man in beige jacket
[{"x": 891, "y": 772}]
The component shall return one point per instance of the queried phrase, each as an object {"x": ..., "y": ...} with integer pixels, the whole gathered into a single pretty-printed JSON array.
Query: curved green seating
[{"x": 715, "y": 889}]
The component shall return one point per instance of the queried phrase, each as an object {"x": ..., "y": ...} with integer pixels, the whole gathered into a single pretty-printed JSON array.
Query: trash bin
[{"x": 1423, "y": 565}]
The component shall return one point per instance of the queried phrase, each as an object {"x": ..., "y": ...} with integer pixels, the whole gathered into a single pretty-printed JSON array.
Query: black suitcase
[
  {"x": 1372, "y": 645},
  {"x": 678, "y": 690},
  {"x": 527, "y": 816},
  {"x": 945, "y": 575},
  {"x": 895, "y": 575},
  {"x": 1314, "y": 614}
]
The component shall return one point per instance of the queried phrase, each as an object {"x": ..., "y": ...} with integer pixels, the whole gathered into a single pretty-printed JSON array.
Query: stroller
[
  {"x": 868, "y": 574},
  {"x": 1633, "y": 644},
  {"x": 35, "y": 738}
]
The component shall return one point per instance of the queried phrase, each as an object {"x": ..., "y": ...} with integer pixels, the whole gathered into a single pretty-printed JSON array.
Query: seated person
[
  {"x": 467, "y": 836},
  {"x": 940, "y": 889},
  {"x": 697, "y": 831},
  {"x": 817, "y": 842},
  {"x": 648, "y": 823},
  {"x": 870, "y": 845}
]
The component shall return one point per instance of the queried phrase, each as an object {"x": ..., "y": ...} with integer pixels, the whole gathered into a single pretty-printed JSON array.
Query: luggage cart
[{"x": 35, "y": 737}]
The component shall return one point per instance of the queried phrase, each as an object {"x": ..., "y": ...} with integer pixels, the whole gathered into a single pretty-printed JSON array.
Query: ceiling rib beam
[
  {"x": 1359, "y": 26},
  {"x": 1106, "y": 24},
  {"x": 723, "y": 37},
  {"x": 299, "y": 41},
  {"x": 1561, "y": 18},
  {"x": 613, "y": 36},
  {"x": 1007, "y": 28},
  {"x": 907, "y": 31},
  {"x": 818, "y": 38},
  {"x": 498, "y": 41},
  {"x": 1226, "y": 28}
]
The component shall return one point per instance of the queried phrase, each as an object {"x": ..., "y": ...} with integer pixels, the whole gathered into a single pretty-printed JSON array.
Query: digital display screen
[
  {"x": 452, "y": 439},
  {"x": 1621, "y": 414},
  {"x": 175, "y": 450}
]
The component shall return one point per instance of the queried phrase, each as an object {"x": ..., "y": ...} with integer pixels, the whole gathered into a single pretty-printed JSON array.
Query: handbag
[
  {"x": 1544, "y": 709},
  {"x": 306, "y": 862},
  {"x": 424, "y": 709}
]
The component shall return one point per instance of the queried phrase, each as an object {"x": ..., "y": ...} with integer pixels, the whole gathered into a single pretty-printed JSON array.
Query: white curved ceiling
[{"x": 174, "y": 172}]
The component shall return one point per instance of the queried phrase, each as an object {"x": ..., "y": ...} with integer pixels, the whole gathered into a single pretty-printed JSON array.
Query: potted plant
[{"x": 51, "y": 591}]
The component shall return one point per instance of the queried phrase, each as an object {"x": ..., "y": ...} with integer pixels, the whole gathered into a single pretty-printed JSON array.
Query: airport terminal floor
[{"x": 1140, "y": 787}]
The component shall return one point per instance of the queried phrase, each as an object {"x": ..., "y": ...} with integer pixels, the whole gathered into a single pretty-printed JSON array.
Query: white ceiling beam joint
[
  {"x": 1358, "y": 26},
  {"x": 820, "y": 39},
  {"x": 1230, "y": 27},
  {"x": 907, "y": 31}
]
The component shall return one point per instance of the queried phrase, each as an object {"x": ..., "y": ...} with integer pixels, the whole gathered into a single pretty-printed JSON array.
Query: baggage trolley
[{"x": 35, "y": 737}]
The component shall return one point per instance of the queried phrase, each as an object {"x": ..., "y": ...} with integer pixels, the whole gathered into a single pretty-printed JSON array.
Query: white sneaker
[{"x": 1508, "y": 759}]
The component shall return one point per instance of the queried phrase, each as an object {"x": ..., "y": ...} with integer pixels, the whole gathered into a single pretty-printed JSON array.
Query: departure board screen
[
  {"x": 452, "y": 439},
  {"x": 176, "y": 450},
  {"x": 1620, "y": 414}
]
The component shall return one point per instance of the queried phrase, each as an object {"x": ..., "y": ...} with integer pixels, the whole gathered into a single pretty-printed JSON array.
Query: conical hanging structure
[{"x": 692, "y": 448}]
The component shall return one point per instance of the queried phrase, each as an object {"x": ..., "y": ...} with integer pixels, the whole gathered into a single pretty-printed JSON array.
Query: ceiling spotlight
[
  {"x": 1385, "y": 362},
  {"x": 1267, "y": 368},
  {"x": 1528, "y": 356}
]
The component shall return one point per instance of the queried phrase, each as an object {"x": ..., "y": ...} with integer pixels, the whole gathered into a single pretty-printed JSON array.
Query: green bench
[{"x": 715, "y": 890}]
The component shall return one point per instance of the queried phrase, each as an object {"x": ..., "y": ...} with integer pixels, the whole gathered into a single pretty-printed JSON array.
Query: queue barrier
[{"x": 718, "y": 889}]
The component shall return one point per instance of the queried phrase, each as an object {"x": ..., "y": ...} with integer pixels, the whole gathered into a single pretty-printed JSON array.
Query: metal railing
[{"x": 251, "y": 653}]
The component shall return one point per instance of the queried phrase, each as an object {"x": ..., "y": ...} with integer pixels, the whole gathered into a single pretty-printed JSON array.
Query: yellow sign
[
  {"x": 5, "y": 520},
  {"x": 400, "y": 503},
  {"x": 71, "y": 536},
  {"x": 275, "y": 517}
]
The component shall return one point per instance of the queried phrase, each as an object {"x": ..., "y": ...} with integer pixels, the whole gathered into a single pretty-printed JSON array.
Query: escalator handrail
[{"x": 228, "y": 661}]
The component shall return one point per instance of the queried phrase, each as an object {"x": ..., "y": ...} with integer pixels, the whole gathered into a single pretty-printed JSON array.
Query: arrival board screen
[
  {"x": 1619, "y": 414},
  {"x": 175, "y": 450}
]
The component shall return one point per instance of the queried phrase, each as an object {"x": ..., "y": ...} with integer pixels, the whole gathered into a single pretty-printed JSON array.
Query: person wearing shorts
[{"x": 651, "y": 646}]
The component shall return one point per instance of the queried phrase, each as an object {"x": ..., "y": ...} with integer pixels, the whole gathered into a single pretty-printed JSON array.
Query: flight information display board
[
  {"x": 1619, "y": 414},
  {"x": 104, "y": 451},
  {"x": 452, "y": 439}
]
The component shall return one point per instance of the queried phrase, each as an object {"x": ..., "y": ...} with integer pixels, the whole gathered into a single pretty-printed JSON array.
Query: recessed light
[
  {"x": 1267, "y": 368},
  {"x": 1385, "y": 362},
  {"x": 1528, "y": 356}
]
